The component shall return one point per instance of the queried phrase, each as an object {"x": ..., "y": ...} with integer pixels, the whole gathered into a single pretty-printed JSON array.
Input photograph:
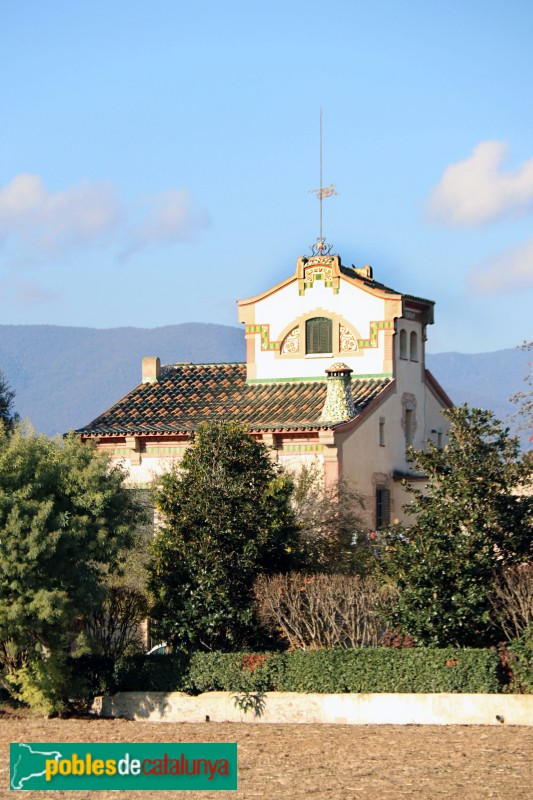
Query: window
[
  {"x": 382, "y": 431},
  {"x": 318, "y": 335},
  {"x": 409, "y": 425},
  {"x": 403, "y": 344},
  {"x": 413, "y": 346},
  {"x": 382, "y": 507}
]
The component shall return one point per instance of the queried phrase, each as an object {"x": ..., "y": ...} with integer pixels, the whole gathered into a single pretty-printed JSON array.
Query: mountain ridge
[{"x": 64, "y": 377}]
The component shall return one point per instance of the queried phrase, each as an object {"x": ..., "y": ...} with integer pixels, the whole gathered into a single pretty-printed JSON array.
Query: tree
[
  {"x": 7, "y": 395},
  {"x": 226, "y": 518},
  {"x": 512, "y": 599},
  {"x": 64, "y": 517},
  {"x": 322, "y": 610},
  {"x": 115, "y": 628},
  {"x": 332, "y": 532},
  {"x": 524, "y": 399},
  {"x": 472, "y": 520}
]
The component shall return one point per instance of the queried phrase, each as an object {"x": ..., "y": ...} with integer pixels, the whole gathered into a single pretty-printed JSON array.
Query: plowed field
[{"x": 337, "y": 762}]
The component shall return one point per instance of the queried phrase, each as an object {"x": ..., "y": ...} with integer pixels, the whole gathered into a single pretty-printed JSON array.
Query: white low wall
[{"x": 345, "y": 709}]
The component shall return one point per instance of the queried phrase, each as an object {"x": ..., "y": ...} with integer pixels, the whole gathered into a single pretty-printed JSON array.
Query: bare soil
[{"x": 319, "y": 761}]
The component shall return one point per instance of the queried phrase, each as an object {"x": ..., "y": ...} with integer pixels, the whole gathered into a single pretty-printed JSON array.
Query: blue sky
[{"x": 155, "y": 157}]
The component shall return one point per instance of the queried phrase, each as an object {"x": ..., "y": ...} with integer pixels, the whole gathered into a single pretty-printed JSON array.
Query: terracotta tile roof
[
  {"x": 189, "y": 394},
  {"x": 372, "y": 284}
]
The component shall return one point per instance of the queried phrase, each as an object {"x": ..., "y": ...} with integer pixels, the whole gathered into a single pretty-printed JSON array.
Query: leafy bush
[
  {"x": 521, "y": 662},
  {"x": 239, "y": 672},
  {"x": 95, "y": 676},
  {"x": 363, "y": 670},
  {"x": 357, "y": 670},
  {"x": 155, "y": 673}
]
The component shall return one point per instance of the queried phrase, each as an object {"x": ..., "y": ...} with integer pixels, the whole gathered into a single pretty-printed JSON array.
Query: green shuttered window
[{"x": 318, "y": 335}]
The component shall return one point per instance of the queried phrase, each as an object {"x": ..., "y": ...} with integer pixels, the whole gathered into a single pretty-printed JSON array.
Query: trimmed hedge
[
  {"x": 521, "y": 662},
  {"x": 389, "y": 670},
  {"x": 236, "y": 672},
  {"x": 138, "y": 673},
  {"x": 364, "y": 670}
]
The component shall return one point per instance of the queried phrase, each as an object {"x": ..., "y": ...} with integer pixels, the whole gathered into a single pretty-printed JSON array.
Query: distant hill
[
  {"x": 485, "y": 380},
  {"x": 64, "y": 377}
]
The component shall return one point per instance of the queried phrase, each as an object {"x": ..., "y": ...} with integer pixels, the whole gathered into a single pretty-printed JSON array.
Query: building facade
[{"x": 334, "y": 375}]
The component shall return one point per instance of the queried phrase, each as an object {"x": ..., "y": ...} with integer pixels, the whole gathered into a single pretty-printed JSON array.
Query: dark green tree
[
  {"x": 64, "y": 517},
  {"x": 472, "y": 519},
  {"x": 7, "y": 396},
  {"x": 226, "y": 518}
]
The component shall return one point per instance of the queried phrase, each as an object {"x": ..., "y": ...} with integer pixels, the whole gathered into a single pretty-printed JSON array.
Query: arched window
[
  {"x": 318, "y": 335},
  {"x": 413, "y": 346},
  {"x": 403, "y": 344}
]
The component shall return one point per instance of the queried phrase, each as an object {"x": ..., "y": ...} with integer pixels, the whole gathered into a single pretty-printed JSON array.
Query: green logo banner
[{"x": 175, "y": 766}]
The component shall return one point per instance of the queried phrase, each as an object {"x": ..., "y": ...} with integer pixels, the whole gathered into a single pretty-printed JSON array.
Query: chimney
[
  {"x": 339, "y": 403},
  {"x": 151, "y": 369}
]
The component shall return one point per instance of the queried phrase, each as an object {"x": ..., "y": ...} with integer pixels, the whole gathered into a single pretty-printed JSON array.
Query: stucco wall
[
  {"x": 344, "y": 709},
  {"x": 282, "y": 309}
]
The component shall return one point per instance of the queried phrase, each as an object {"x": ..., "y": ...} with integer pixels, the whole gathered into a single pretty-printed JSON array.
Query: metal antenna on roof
[{"x": 321, "y": 248}]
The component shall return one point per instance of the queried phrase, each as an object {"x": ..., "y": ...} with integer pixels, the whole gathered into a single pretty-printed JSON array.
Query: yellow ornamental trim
[
  {"x": 264, "y": 331},
  {"x": 372, "y": 341},
  {"x": 375, "y": 327}
]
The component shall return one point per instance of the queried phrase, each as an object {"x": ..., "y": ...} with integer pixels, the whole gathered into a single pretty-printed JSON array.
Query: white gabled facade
[{"x": 377, "y": 333}]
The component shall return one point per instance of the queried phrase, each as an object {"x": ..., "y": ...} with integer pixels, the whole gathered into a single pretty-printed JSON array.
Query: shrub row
[
  {"x": 361, "y": 670},
  {"x": 323, "y": 671},
  {"x": 138, "y": 673}
]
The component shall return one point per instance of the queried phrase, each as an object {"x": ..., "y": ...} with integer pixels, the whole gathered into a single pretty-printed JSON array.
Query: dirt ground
[{"x": 319, "y": 761}]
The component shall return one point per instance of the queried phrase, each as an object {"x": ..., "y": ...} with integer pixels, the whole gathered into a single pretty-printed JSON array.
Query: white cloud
[
  {"x": 478, "y": 190},
  {"x": 171, "y": 217},
  {"x": 510, "y": 271},
  {"x": 42, "y": 224},
  {"x": 47, "y": 224},
  {"x": 26, "y": 293}
]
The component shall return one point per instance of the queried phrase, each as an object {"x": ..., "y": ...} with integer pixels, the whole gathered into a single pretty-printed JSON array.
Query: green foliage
[
  {"x": 521, "y": 662},
  {"x": 250, "y": 701},
  {"x": 7, "y": 396},
  {"x": 238, "y": 672},
  {"x": 42, "y": 685},
  {"x": 96, "y": 676},
  {"x": 227, "y": 518},
  {"x": 391, "y": 670},
  {"x": 155, "y": 673},
  {"x": 64, "y": 514},
  {"x": 103, "y": 675},
  {"x": 332, "y": 531},
  {"x": 470, "y": 522},
  {"x": 524, "y": 399},
  {"x": 362, "y": 670},
  {"x": 113, "y": 628}
]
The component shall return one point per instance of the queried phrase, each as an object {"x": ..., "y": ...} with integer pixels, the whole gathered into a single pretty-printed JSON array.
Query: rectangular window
[
  {"x": 382, "y": 431},
  {"x": 318, "y": 335},
  {"x": 382, "y": 507},
  {"x": 409, "y": 428}
]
